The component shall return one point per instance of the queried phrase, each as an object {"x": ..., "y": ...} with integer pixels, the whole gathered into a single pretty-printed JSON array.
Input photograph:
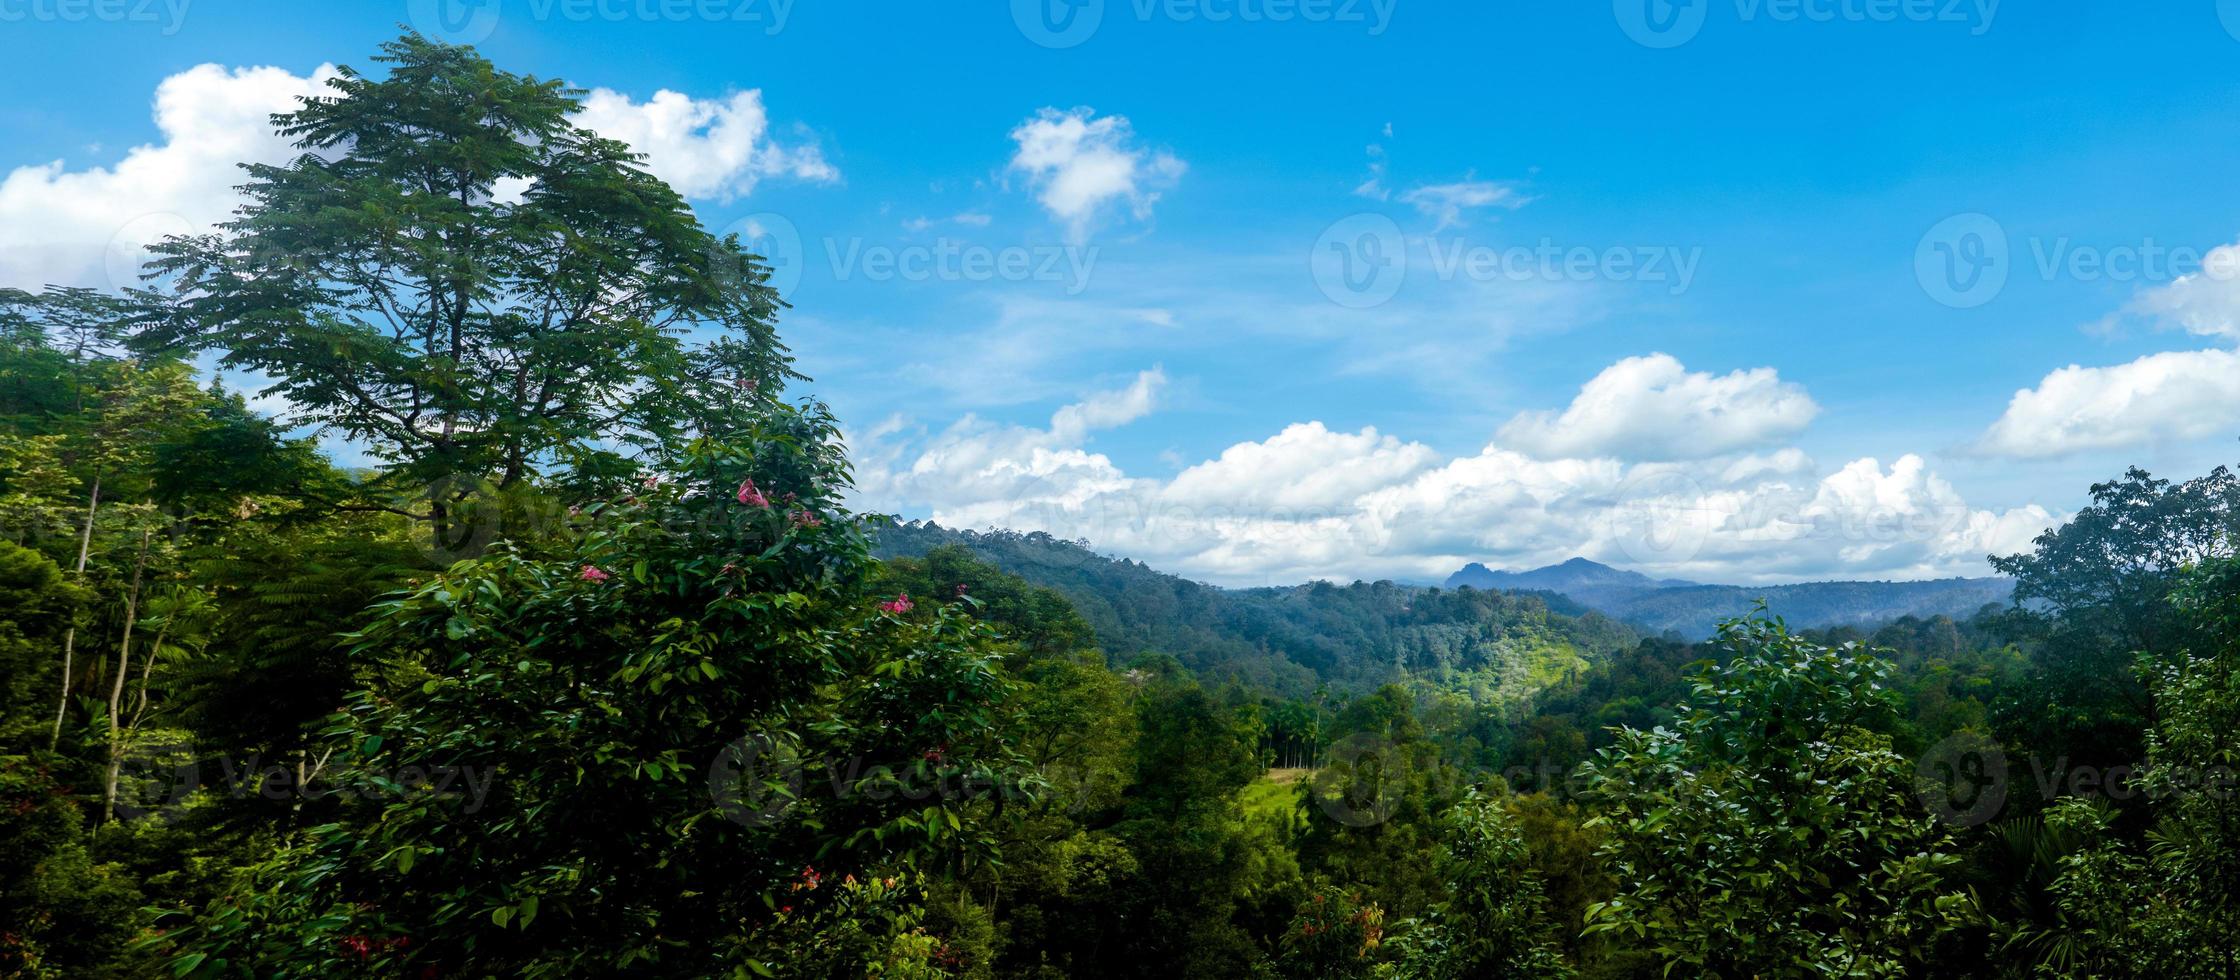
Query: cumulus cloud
[
  {"x": 1311, "y": 502},
  {"x": 1654, "y": 408},
  {"x": 1079, "y": 163},
  {"x": 87, "y": 227},
  {"x": 1304, "y": 467},
  {"x": 1448, "y": 202},
  {"x": 90, "y": 226},
  {"x": 2205, "y": 302},
  {"x": 2171, "y": 395},
  {"x": 716, "y": 149}
]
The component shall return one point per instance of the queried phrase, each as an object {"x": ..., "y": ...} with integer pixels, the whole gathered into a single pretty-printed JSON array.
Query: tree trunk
[
  {"x": 70, "y": 636},
  {"x": 116, "y": 687},
  {"x": 148, "y": 666}
]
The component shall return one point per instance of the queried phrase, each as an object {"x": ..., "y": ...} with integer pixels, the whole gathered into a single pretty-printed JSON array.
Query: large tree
[
  {"x": 2095, "y": 592},
  {"x": 1773, "y": 832},
  {"x": 455, "y": 275}
]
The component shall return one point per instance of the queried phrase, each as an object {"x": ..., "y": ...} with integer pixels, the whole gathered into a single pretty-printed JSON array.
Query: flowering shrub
[
  {"x": 1334, "y": 934},
  {"x": 696, "y": 720}
]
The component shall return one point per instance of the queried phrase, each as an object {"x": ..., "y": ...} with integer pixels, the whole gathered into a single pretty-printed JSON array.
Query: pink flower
[
  {"x": 802, "y": 518},
  {"x": 960, "y": 590},
  {"x": 900, "y": 605},
  {"x": 651, "y": 481},
  {"x": 750, "y": 496},
  {"x": 591, "y": 573}
]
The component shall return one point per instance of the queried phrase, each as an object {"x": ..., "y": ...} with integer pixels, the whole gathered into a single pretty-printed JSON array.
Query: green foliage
[
  {"x": 1493, "y": 648},
  {"x": 632, "y": 714},
  {"x": 2174, "y": 909},
  {"x": 1496, "y": 919},
  {"x": 36, "y": 604},
  {"x": 2094, "y": 593},
  {"x": 1773, "y": 832},
  {"x": 63, "y": 912},
  {"x": 1335, "y": 935},
  {"x": 454, "y": 274},
  {"x": 689, "y": 644}
]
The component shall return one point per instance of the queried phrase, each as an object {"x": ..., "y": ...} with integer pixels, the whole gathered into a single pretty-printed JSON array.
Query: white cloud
[
  {"x": 1373, "y": 186},
  {"x": 1304, "y": 467},
  {"x": 705, "y": 148},
  {"x": 1448, "y": 202},
  {"x": 1309, "y": 502},
  {"x": 2174, "y": 395},
  {"x": 1080, "y": 162},
  {"x": 88, "y": 227},
  {"x": 1654, "y": 408},
  {"x": 968, "y": 219},
  {"x": 2205, "y": 302}
]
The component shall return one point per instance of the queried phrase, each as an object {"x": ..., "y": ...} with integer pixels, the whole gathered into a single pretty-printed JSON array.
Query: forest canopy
[{"x": 595, "y": 671}]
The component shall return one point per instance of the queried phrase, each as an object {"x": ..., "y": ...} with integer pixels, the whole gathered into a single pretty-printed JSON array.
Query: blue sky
[{"x": 1774, "y": 197}]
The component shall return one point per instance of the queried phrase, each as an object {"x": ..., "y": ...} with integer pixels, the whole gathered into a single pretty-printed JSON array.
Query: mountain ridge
[{"x": 1694, "y": 609}]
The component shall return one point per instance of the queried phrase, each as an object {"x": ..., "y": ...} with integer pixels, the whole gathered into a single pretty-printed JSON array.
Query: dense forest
[
  {"x": 595, "y": 672},
  {"x": 1695, "y": 610}
]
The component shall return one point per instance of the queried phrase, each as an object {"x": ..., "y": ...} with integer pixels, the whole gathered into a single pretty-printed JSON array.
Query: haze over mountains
[
  {"x": 1693, "y": 609},
  {"x": 1357, "y": 635}
]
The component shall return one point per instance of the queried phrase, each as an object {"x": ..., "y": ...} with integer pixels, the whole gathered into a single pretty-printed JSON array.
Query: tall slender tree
[{"x": 454, "y": 274}]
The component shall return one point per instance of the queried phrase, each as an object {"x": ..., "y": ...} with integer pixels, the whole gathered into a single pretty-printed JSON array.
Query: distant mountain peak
[{"x": 1569, "y": 577}]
